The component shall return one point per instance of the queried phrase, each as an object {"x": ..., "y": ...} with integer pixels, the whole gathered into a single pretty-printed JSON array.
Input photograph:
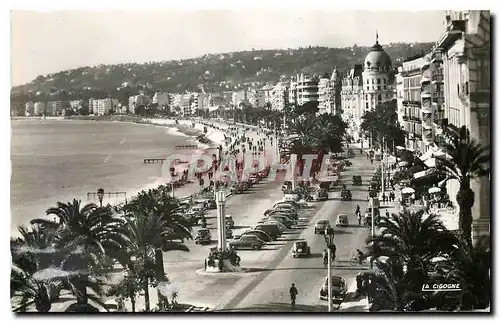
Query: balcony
[
  {"x": 426, "y": 102},
  {"x": 412, "y": 103},
  {"x": 426, "y": 110},
  {"x": 427, "y": 126},
  {"x": 413, "y": 119},
  {"x": 426, "y": 95},
  {"x": 427, "y": 119},
  {"x": 425, "y": 79},
  {"x": 437, "y": 78}
]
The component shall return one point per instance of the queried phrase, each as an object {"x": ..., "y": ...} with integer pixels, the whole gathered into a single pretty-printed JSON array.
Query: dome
[{"x": 377, "y": 59}]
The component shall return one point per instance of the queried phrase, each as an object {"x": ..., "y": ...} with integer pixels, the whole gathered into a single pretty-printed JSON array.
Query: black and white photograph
[{"x": 250, "y": 160}]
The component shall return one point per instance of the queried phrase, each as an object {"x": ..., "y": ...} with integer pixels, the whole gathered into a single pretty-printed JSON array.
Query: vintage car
[
  {"x": 247, "y": 242},
  {"x": 229, "y": 221},
  {"x": 208, "y": 203},
  {"x": 319, "y": 194},
  {"x": 357, "y": 181},
  {"x": 203, "y": 236},
  {"x": 259, "y": 233},
  {"x": 342, "y": 220},
  {"x": 199, "y": 207},
  {"x": 300, "y": 248},
  {"x": 345, "y": 195},
  {"x": 321, "y": 225},
  {"x": 339, "y": 289}
]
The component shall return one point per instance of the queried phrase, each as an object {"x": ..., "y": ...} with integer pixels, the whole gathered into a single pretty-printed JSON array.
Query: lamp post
[
  {"x": 293, "y": 164},
  {"x": 373, "y": 226},
  {"x": 329, "y": 235},
  {"x": 172, "y": 175},
  {"x": 220, "y": 199},
  {"x": 100, "y": 195}
]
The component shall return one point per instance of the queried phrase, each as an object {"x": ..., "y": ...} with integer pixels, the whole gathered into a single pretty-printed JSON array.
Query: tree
[
  {"x": 469, "y": 265},
  {"x": 465, "y": 160},
  {"x": 383, "y": 123},
  {"x": 154, "y": 225},
  {"x": 98, "y": 232},
  {"x": 410, "y": 241}
]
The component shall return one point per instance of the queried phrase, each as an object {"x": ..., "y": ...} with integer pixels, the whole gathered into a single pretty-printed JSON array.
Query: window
[
  {"x": 385, "y": 81},
  {"x": 379, "y": 97},
  {"x": 378, "y": 87},
  {"x": 367, "y": 81},
  {"x": 385, "y": 86},
  {"x": 378, "y": 80},
  {"x": 367, "y": 105},
  {"x": 373, "y": 81}
]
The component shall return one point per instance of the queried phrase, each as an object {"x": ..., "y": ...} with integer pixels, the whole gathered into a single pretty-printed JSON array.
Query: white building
[
  {"x": 239, "y": 97},
  {"x": 137, "y": 100},
  {"x": 304, "y": 89},
  {"x": 29, "y": 108},
  {"x": 408, "y": 96},
  {"x": 279, "y": 96},
  {"x": 39, "y": 108}
]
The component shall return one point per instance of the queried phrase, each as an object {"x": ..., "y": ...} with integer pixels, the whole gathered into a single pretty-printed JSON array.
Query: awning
[
  {"x": 431, "y": 163},
  {"x": 423, "y": 173},
  {"x": 434, "y": 190},
  {"x": 403, "y": 164},
  {"x": 399, "y": 147},
  {"x": 408, "y": 190}
]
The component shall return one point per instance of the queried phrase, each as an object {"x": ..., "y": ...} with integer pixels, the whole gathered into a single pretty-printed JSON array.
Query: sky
[{"x": 48, "y": 42}]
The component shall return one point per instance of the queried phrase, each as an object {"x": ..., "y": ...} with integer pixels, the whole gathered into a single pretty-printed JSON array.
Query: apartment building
[
  {"x": 29, "y": 108},
  {"x": 39, "y": 108},
  {"x": 412, "y": 76},
  {"x": 279, "y": 96},
  {"x": 162, "y": 99},
  {"x": 303, "y": 89},
  {"x": 462, "y": 58},
  {"x": 329, "y": 91},
  {"x": 137, "y": 100}
]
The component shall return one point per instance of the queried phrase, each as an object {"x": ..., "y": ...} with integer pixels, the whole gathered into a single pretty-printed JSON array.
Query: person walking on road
[{"x": 293, "y": 294}]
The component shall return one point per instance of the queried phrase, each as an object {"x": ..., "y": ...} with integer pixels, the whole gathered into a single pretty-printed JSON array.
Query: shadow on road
[
  {"x": 279, "y": 307},
  {"x": 343, "y": 232}
]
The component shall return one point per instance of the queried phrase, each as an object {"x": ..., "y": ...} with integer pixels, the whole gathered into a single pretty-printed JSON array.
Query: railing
[{"x": 437, "y": 77}]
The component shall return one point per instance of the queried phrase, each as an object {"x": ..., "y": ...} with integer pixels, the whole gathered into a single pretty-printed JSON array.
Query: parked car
[
  {"x": 287, "y": 204},
  {"x": 259, "y": 233},
  {"x": 339, "y": 288},
  {"x": 208, "y": 203},
  {"x": 321, "y": 225},
  {"x": 342, "y": 220},
  {"x": 199, "y": 207},
  {"x": 291, "y": 214},
  {"x": 300, "y": 248},
  {"x": 280, "y": 225},
  {"x": 345, "y": 195},
  {"x": 269, "y": 228},
  {"x": 319, "y": 194},
  {"x": 282, "y": 219},
  {"x": 229, "y": 221},
  {"x": 247, "y": 242},
  {"x": 203, "y": 236}
]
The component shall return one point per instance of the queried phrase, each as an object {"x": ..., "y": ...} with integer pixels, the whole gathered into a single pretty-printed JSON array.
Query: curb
[{"x": 202, "y": 272}]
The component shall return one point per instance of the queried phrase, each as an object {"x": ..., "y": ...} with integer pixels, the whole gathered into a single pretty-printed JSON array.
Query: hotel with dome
[{"x": 365, "y": 86}]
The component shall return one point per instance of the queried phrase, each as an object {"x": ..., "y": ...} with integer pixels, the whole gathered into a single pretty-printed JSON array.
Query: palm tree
[
  {"x": 465, "y": 160},
  {"x": 469, "y": 265},
  {"x": 98, "y": 232},
  {"x": 410, "y": 241},
  {"x": 153, "y": 227}
]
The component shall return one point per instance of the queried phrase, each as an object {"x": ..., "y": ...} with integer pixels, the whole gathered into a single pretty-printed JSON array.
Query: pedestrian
[
  {"x": 293, "y": 294},
  {"x": 383, "y": 197},
  {"x": 387, "y": 213},
  {"x": 371, "y": 161}
]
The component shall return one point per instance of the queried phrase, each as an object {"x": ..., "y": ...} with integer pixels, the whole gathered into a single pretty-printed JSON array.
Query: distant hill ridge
[{"x": 216, "y": 72}]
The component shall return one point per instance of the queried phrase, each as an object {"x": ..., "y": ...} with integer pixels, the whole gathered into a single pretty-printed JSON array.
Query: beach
[{"x": 58, "y": 160}]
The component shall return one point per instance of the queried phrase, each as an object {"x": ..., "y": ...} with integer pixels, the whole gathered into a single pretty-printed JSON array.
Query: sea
[{"x": 59, "y": 160}]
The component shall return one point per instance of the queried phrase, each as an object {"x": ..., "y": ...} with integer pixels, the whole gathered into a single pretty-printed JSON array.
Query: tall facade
[
  {"x": 408, "y": 89},
  {"x": 464, "y": 54},
  {"x": 365, "y": 86},
  {"x": 303, "y": 89},
  {"x": 279, "y": 96}
]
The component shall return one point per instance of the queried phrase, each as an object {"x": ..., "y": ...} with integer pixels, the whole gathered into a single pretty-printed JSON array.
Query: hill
[{"x": 216, "y": 72}]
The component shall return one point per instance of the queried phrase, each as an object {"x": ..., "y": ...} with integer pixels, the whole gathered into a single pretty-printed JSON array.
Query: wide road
[{"x": 270, "y": 290}]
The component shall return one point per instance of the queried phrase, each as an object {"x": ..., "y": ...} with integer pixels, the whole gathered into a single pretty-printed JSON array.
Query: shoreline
[{"x": 181, "y": 129}]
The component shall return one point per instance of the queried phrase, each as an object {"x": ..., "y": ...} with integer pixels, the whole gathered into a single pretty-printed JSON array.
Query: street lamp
[
  {"x": 373, "y": 226},
  {"x": 220, "y": 199},
  {"x": 172, "y": 175},
  {"x": 329, "y": 235},
  {"x": 100, "y": 195}
]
